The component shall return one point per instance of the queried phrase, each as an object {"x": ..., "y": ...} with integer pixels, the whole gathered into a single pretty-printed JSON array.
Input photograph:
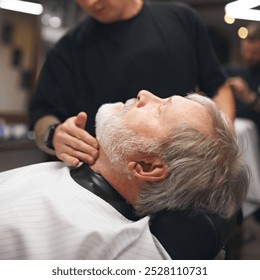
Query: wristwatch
[{"x": 49, "y": 136}]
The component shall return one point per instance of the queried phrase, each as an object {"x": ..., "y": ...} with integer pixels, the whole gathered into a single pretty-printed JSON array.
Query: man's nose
[{"x": 144, "y": 97}]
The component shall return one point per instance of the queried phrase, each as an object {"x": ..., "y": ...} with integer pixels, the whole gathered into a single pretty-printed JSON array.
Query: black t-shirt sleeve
[{"x": 210, "y": 73}]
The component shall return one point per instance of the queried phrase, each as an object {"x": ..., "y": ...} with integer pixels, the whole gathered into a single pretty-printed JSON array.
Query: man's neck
[
  {"x": 96, "y": 184},
  {"x": 126, "y": 187}
]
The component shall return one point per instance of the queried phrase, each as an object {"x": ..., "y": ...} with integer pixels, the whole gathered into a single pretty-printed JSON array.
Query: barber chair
[{"x": 187, "y": 236}]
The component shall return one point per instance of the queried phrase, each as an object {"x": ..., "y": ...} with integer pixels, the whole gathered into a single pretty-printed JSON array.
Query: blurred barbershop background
[{"x": 29, "y": 29}]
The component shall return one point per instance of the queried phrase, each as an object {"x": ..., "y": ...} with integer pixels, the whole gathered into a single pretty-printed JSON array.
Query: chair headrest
[{"x": 185, "y": 235}]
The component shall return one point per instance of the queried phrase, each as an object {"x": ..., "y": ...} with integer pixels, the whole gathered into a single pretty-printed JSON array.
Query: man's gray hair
[{"x": 206, "y": 171}]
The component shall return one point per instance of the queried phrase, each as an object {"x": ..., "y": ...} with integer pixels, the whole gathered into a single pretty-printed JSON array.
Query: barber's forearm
[
  {"x": 225, "y": 101},
  {"x": 40, "y": 130}
]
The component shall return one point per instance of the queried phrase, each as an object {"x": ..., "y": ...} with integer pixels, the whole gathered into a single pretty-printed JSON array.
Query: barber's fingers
[
  {"x": 71, "y": 127},
  {"x": 76, "y": 144},
  {"x": 74, "y": 157},
  {"x": 72, "y": 146},
  {"x": 72, "y": 161},
  {"x": 81, "y": 120}
]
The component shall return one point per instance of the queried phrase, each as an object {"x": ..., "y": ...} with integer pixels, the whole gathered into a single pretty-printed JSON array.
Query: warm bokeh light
[
  {"x": 242, "y": 32},
  {"x": 228, "y": 19}
]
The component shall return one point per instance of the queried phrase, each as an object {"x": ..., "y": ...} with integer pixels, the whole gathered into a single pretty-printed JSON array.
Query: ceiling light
[
  {"x": 22, "y": 6},
  {"x": 243, "y": 9}
]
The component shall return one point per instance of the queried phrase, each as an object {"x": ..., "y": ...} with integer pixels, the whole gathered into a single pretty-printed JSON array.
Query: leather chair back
[{"x": 187, "y": 236}]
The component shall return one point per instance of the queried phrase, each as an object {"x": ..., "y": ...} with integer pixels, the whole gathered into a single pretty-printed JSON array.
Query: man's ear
[{"x": 149, "y": 169}]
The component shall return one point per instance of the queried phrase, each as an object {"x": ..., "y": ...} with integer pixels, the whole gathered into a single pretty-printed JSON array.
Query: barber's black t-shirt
[{"x": 164, "y": 49}]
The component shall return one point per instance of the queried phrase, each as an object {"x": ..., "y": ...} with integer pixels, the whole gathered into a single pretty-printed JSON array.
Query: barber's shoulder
[
  {"x": 179, "y": 6},
  {"x": 73, "y": 35},
  {"x": 182, "y": 11}
]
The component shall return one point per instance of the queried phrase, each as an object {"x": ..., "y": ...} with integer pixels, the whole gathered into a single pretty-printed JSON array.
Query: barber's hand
[
  {"x": 73, "y": 144},
  {"x": 241, "y": 89}
]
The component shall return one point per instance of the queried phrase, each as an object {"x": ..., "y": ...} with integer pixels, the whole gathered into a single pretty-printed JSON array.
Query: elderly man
[{"x": 155, "y": 154}]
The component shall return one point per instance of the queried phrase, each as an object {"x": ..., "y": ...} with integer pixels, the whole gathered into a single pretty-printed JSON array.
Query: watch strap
[{"x": 49, "y": 136}]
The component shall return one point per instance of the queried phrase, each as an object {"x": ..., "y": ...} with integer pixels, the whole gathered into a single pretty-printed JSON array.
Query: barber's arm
[
  {"x": 68, "y": 141},
  {"x": 225, "y": 101}
]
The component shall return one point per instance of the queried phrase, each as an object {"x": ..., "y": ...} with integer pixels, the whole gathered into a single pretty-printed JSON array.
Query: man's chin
[
  {"x": 105, "y": 119},
  {"x": 109, "y": 109}
]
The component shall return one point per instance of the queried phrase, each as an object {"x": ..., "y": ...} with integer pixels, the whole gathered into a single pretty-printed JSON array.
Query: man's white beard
[{"x": 112, "y": 134}]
